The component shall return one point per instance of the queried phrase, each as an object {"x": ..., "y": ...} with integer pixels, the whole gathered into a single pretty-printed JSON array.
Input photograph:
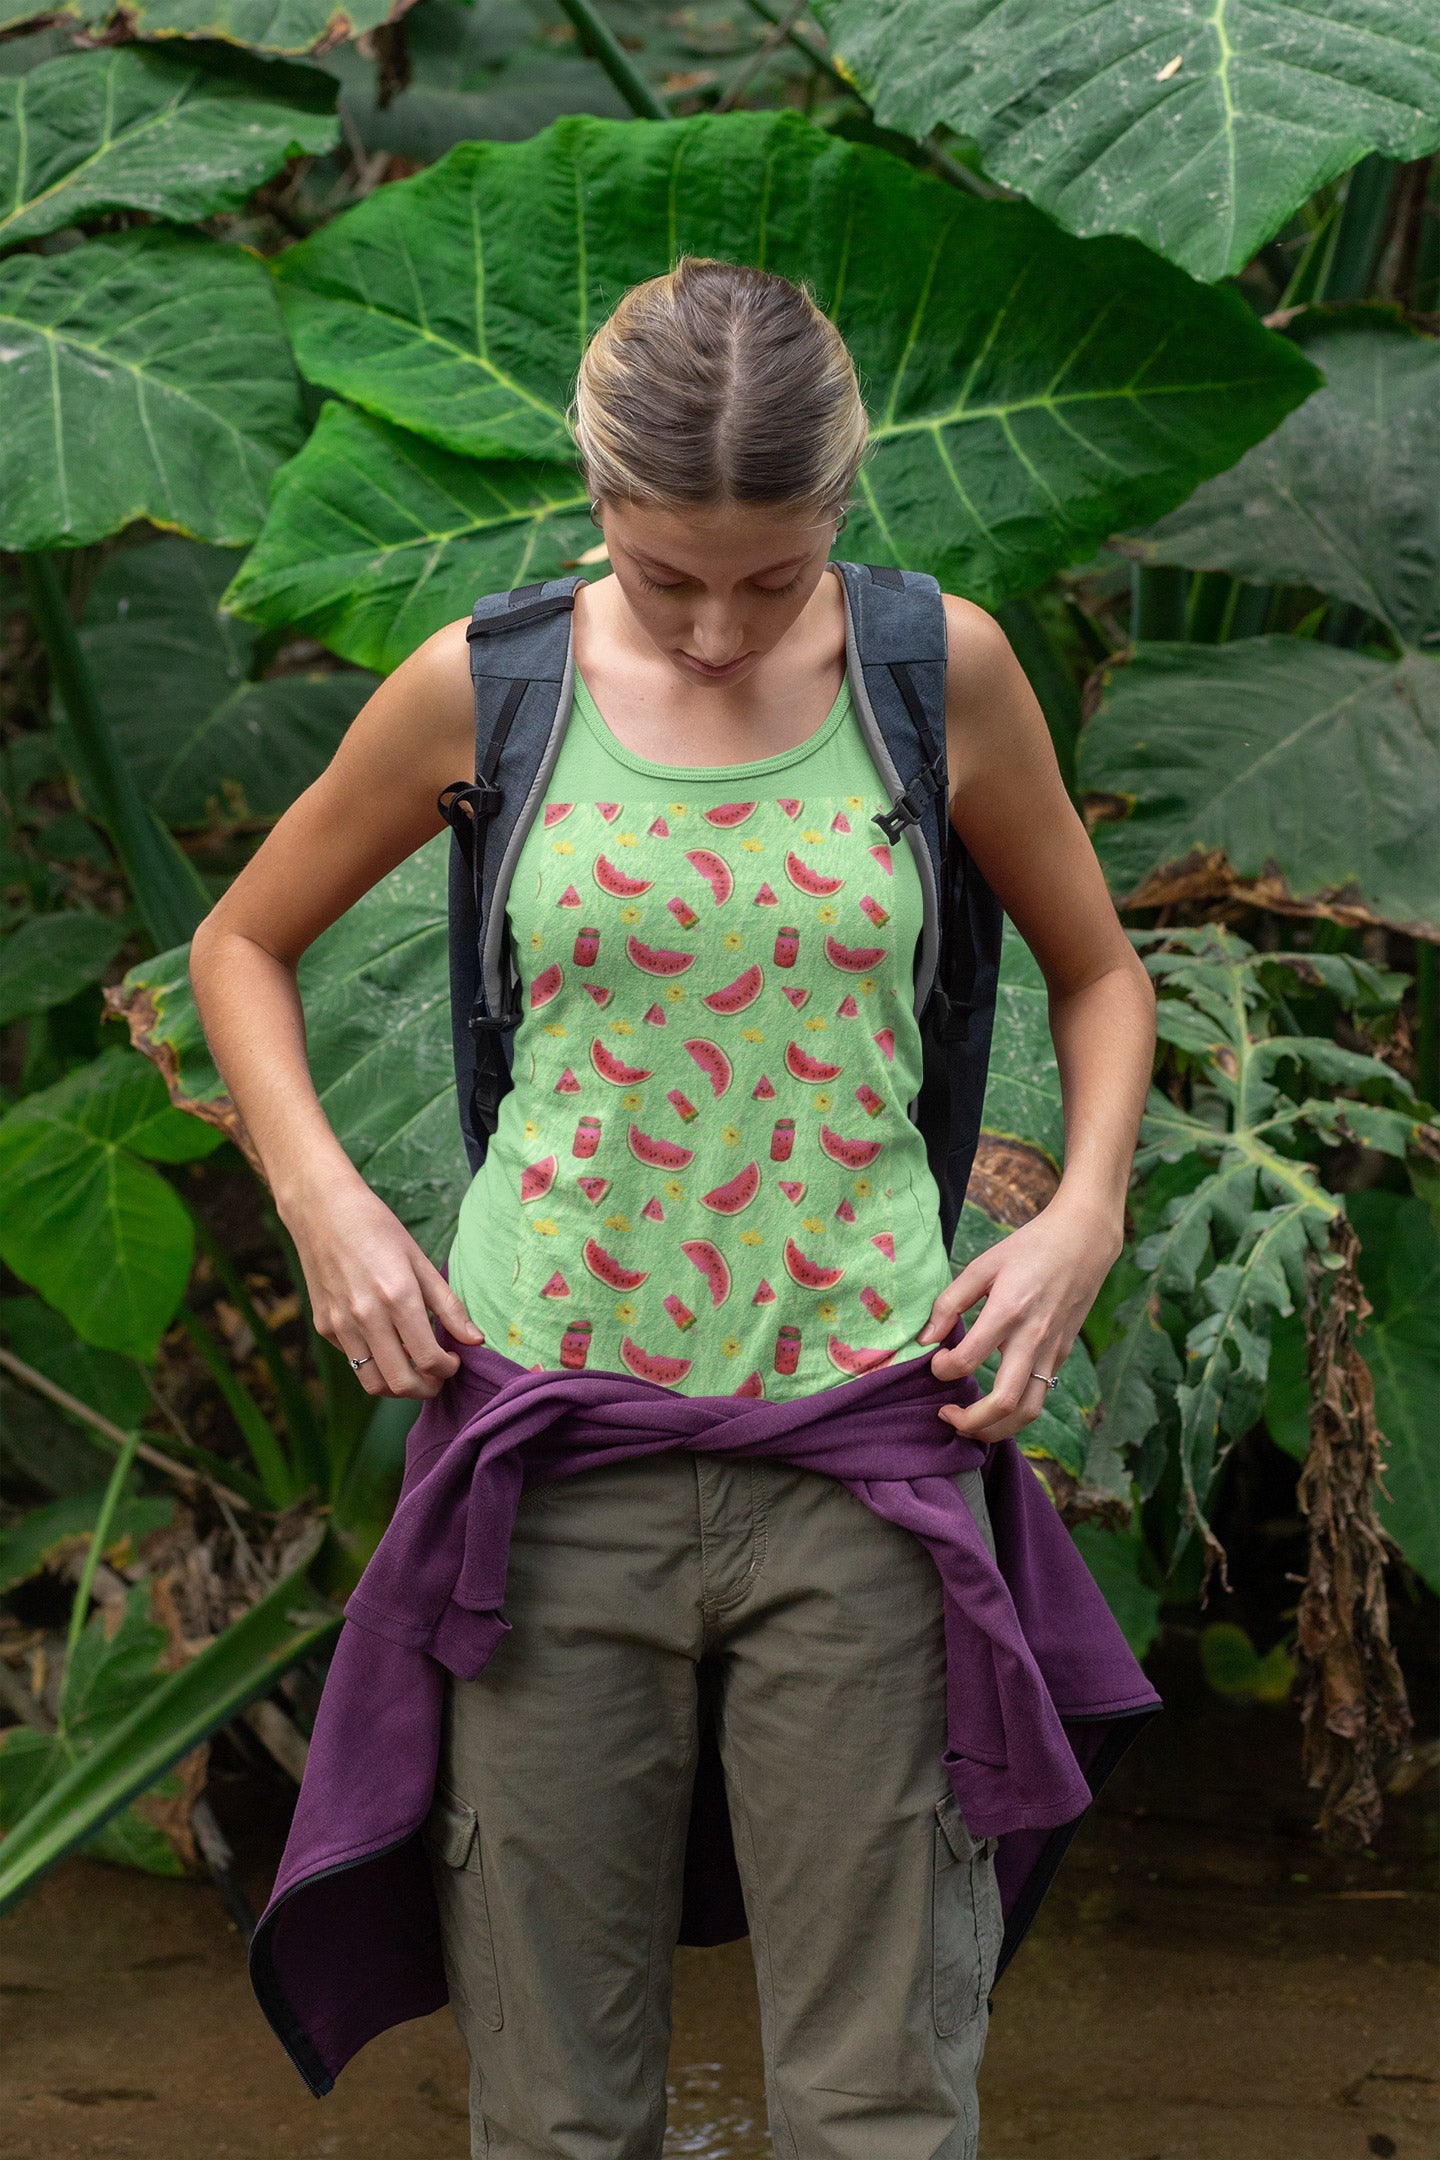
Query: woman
[{"x": 622, "y": 1204}]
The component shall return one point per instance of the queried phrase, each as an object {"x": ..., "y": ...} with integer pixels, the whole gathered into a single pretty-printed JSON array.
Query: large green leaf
[
  {"x": 145, "y": 376},
  {"x": 43, "y": 1536},
  {"x": 273, "y": 26},
  {"x": 375, "y": 538},
  {"x": 139, "y": 130},
  {"x": 82, "y": 1219},
  {"x": 1022, "y": 1092},
  {"x": 1198, "y": 130},
  {"x": 199, "y": 735},
  {"x": 1026, "y": 390},
  {"x": 44, "y": 1338},
  {"x": 112, "y": 1671},
  {"x": 1307, "y": 768},
  {"x": 128, "y": 1757},
  {"x": 1400, "y": 1342},
  {"x": 1345, "y": 495},
  {"x": 51, "y": 958},
  {"x": 376, "y": 991}
]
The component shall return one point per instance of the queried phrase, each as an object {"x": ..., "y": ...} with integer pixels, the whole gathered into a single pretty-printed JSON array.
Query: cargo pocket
[
  {"x": 452, "y": 1834},
  {"x": 967, "y": 1919}
]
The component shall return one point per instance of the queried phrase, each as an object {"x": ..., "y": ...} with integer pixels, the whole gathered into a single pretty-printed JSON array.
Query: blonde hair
[{"x": 719, "y": 384}]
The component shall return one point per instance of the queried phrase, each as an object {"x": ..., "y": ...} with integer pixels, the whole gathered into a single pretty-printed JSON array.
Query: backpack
[{"x": 522, "y": 667}]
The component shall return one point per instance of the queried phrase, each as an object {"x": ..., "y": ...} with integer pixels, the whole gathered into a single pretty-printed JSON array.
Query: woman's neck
[{"x": 656, "y": 712}]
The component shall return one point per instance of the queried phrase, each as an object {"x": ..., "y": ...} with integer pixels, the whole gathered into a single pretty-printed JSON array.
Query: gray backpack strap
[
  {"x": 895, "y": 651},
  {"x": 522, "y": 670}
]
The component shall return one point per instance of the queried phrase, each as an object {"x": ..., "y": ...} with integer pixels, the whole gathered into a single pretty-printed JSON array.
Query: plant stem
[
  {"x": 113, "y": 1434},
  {"x": 299, "y": 1417},
  {"x": 774, "y": 37},
  {"x": 1427, "y": 1021},
  {"x": 820, "y": 61},
  {"x": 600, "y": 41},
  {"x": 1349, "y": 269},
  {"x": 275, "y": 1472},
  {"x": 1158, "y": 603},
  {"x": 79, "y": 1611},
  {"x": 167, "y": 888}
]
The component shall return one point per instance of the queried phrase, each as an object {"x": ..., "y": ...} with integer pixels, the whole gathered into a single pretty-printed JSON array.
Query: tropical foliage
[{"x": 292, "y": 301}]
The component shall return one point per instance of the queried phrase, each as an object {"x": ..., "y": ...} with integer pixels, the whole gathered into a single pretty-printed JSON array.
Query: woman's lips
[{"x": 703, "y": 667}]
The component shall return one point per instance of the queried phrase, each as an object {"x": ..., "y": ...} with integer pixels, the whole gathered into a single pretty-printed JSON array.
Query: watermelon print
[{"x": 737, "y": 1178}]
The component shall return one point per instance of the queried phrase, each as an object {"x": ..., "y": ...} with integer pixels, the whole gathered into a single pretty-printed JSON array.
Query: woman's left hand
[{"x": 1038, "y": 1285}]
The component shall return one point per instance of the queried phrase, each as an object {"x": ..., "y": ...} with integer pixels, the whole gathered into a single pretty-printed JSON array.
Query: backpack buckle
[
  {"x": 909, "y": 805},
  {"x": 465, "y": 805}
]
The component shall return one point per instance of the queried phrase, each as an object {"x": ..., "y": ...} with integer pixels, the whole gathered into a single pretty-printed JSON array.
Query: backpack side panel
[
  {"x": 957, "y": 966},
  {"x": 482, "y": 980}
]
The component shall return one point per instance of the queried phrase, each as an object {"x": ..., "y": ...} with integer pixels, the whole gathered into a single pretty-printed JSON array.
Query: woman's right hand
[{"x": 372, "y": 1290}]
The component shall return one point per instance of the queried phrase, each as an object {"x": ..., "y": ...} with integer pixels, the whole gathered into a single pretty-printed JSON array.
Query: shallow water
[{"x": 1203, "y": 1983}]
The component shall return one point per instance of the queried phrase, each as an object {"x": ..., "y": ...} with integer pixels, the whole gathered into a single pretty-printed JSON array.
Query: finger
[
  {"x": 981, "y": 1339},
  {"x": 1015, "y": 1399},
  {"x": 390, "y": 1371},
  {"x": 444, "y": 1303},
  {"x": 412, "y": 1323},
  {"x": 348, "y": 1339},
  {"x": 970, "y": 1285}
]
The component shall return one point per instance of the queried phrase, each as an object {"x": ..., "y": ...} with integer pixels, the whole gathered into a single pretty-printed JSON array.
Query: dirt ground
[{"x": 1203, "y": 1983}]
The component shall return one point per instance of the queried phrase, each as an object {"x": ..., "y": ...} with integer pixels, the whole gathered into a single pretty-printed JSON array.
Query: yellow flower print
[
  {"x": 563, "y": 847},
  {"x": 732, "y": 941},
  {"x": 752, "y": 1034},
  {"x": 815, "y": 1023},
  {"x": 626, "y": 1311},
  {"x": 670, "y": 1186},
  {"x": 544, "y": 1227},
  {"x": 626, "y": 839},
  {"x": 812, "y": 833},
  {"x": 861, "y": 1187},
  {"x": 854, "y": 802},
  {"x": 629, "y": 914},
  {"x": 631, "y": 1099},
  {"x": 674, "y": 993},
  {"x": 812, "y": 1223},
  {"x": 753, "y": 847},
  {"x": 827, "y": 1309},
  {"x": 826, "y": 914},
  {"x": 537, "y": 939},
  {"x": 514, "y": 1335},
  {"x": 730, "y": 1346},
  {"x": 553, "y": 1027},
  {"x": 617, "y": 1222},
  {"x": 752, "y": 1237},
  {"x": 730, "y": 1134},
  {"x": 621, "y": 1027},
  {"x": 677, "y": 809},
  {"x": 866, "y": 985},
  {"x": 824, "y": 1100},
  {"x": 532, "y": 1130}
]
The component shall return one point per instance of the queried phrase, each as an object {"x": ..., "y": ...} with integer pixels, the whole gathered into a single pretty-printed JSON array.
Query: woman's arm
[
  {"x": 1009, "y": 806},
  {"x": 370, "y": 1284}
]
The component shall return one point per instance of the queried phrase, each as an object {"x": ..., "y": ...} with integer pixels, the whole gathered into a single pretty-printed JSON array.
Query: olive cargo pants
[{"x": 558, "y": 1829}]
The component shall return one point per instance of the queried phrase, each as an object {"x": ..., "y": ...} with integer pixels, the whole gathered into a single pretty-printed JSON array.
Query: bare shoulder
[
  {"x": 992, "y": 717},
  {"x": 419, "y": 723},
  {"x": 433, "y": 685},
  {"x": 979, "y": 658}
]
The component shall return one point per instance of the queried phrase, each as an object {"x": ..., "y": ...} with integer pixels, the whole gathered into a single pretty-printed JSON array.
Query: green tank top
[{"x": 705, "y": 1173}]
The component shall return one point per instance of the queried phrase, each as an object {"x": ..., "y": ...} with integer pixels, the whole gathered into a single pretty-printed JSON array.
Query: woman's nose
[{"x": 716, "y": 635}]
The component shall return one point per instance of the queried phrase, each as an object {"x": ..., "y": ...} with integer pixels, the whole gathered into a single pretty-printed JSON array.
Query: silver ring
[
  {"x": 1045, "y": 1376},
  {"x": 357, "y": 1362}
]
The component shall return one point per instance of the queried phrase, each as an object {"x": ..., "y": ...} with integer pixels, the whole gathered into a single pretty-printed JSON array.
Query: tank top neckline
[{"x": 751, "y": 768}]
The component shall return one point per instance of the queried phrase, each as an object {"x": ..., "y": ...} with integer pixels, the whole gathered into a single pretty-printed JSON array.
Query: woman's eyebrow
[{"x": 653, "y": 563}]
